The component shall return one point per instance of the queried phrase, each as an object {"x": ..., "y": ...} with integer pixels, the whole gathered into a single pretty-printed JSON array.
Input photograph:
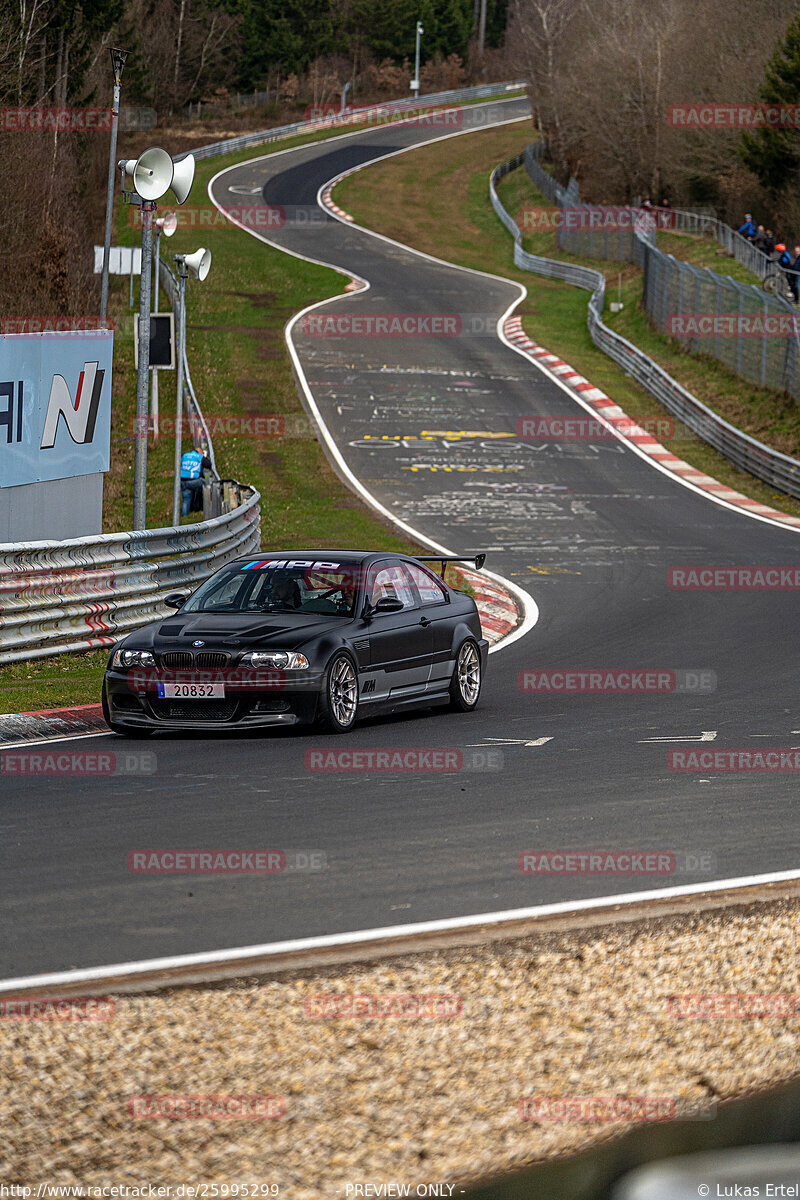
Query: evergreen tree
[
  {"x": 276, "y": 34},
  {"x": 451, "y": 28},
  {"x": 773, "y": 154}
]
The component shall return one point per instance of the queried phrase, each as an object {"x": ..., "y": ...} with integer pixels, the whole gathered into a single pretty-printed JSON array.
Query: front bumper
[{"x": 137, "y": 705}]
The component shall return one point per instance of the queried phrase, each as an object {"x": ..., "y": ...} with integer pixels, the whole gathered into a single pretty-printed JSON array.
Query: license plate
[{"x": 191, "y": 691}]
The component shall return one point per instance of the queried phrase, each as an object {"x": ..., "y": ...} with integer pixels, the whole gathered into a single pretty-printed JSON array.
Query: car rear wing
[{"x": 444, "y": 559}]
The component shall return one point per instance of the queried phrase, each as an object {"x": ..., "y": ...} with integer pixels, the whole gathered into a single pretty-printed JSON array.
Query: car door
[
  {"x": 436, "y": 608},
  {"x": 401, "y": 643}
]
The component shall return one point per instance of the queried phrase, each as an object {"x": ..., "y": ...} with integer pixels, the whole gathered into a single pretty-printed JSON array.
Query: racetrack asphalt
[{"x": 587, "y": 527}]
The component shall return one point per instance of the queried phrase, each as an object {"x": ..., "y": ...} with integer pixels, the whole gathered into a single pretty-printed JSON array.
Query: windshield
[{"x": 252, "y": 588}]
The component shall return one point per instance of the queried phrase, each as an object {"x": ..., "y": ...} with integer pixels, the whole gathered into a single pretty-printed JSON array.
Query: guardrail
[
  {"x": 747, "y": 453},
  {"x": 355, "y": 116},
  {"x": 57, "y": 597}
]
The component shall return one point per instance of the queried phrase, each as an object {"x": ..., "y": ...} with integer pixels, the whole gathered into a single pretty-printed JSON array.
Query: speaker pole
[
  {"x": 183, "y": 275},
  {"x": 142, "y": 379},
  {"x": 154, "y": 372},
  {"x": 118, "y": 62}
]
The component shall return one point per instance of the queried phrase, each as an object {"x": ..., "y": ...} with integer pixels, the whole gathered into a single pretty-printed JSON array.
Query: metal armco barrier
[
  {"x": 57, "y": 597},
  {"x": 357, "y": 115},
  {"x": 776, "y": 469}
]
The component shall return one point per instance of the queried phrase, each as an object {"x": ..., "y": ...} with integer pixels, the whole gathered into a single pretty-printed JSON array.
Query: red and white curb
[
  {"x": 499, "y": 611},
  {"x": 18, "y": 728},
  {"x": 633, "y": 432},
  {"x": 326, "y": 197}
]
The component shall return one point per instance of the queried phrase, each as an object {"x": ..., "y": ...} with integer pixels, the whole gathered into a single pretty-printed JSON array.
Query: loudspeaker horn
[
  {"x": 152, "y": 173},
  {"x": 167, "y": 224},
  {"x": 183, "y": 177},
  {"x": 199, "y": 263}
]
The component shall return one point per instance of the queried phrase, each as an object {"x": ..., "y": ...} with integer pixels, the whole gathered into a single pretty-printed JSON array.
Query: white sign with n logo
[{"x": 79, "y": 415}]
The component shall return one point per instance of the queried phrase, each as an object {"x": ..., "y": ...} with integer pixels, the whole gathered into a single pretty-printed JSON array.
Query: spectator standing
[
  {"x": 193, "y": 464},
  {"x": 760, "y": 239},
  {"x": 748, "y": 229},
  {"x": 769, "y": 244},
  {"x": 794, "y": 278}
]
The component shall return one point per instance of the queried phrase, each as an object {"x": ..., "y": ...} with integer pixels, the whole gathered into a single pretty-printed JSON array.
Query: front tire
[
  {"x": 465, "y": 686},
  {"x": 339, "y": 700}
]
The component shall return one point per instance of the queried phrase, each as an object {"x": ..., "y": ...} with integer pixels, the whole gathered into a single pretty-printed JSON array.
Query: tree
[
  {"x": 277, "y": 34},
  {"x": 773, "y": 154},
  {"x": 541, "y": 29}
]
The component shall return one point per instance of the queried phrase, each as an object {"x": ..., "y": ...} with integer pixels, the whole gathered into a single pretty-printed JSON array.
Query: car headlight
[
  {"x": 279, "y": 660},
  {"x": 132, "y": 658}
]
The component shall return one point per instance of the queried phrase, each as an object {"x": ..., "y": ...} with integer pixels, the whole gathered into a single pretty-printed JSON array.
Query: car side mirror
[
  {"x": 388, "y": 604},
  {"x": 175, "y": 600}
]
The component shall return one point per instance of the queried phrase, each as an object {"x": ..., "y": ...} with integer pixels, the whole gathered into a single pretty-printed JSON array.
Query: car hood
[{"x": 233, "y": 631}]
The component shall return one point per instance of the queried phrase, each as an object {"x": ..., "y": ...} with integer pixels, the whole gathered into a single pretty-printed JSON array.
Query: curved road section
[{"x": 608, "y": 761}]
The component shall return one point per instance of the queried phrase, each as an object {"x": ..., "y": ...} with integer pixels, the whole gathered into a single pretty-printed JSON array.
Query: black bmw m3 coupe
[{"x": 298, "y": 637}]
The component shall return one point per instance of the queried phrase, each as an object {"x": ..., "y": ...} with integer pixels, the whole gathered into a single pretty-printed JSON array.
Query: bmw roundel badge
[{"x": 198, "y": 643}]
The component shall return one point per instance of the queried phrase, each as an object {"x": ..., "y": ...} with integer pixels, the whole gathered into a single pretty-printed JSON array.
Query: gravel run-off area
[{"x": 404, "y": 1099}]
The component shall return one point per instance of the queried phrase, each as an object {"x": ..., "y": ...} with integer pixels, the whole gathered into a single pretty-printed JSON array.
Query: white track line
[
  {"x": 551, "y": 375},
  {"x": 241, "y": 954},
  {"x": 529, "y": 607}
]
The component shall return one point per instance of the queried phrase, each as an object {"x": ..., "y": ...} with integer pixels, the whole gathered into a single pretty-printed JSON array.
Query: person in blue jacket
[
  {"x": 793, "y": 279},
  {"x": 748, "y": 230},
  {"x": 193, "y": 464}
]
